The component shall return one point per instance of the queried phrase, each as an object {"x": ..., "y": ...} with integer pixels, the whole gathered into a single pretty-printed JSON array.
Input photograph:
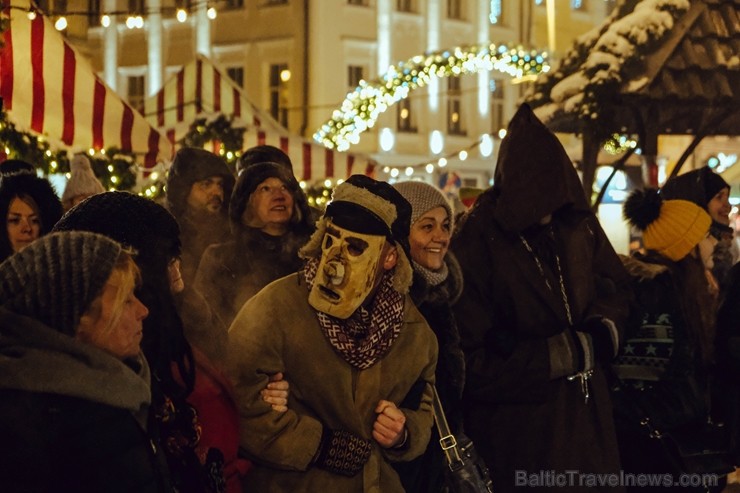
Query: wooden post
[
  {"x": 650, "y": 159},
  {"x": 589, "y": 162}
]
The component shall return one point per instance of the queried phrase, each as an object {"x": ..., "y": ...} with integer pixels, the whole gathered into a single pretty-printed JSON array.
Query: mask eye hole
[
  {"x": 328, "y": 241},
  {"x": 356, "y": 246}
]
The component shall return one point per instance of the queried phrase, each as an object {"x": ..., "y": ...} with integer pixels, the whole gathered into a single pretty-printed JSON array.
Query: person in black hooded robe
[{"x": 543, "y": 305}]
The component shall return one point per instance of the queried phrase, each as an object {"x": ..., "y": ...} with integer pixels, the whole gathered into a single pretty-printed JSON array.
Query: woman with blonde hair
[{"x": 74, "y": 385}]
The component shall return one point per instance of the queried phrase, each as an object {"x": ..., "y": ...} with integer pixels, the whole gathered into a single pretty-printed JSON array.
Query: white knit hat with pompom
[{"x": 81, "y": 182}]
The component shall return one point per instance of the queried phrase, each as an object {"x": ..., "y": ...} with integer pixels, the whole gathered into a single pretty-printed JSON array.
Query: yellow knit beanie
[{"x": 670, "y": 227}]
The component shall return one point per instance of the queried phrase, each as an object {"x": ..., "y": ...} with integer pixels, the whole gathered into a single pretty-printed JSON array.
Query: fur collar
[
  {"x": 447, "y": 292},
  {"x": 643, "y": 268}
]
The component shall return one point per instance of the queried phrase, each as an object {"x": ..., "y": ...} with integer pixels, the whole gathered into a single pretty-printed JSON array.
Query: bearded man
[
  {"x": 199, "y": 186},
  {"x": 347, "y": 337}
]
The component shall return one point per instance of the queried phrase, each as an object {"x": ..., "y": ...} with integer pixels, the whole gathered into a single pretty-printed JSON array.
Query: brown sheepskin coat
[{"x": 277, "y": 331}]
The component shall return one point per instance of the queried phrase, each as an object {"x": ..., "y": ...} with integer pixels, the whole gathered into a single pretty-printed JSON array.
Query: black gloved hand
[
  {"x": 342, "y": 452},
  {"x": 603, "y": 338}
]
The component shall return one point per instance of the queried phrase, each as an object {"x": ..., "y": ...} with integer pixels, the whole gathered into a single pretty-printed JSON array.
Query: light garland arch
[{"x": 362, "y": 107}]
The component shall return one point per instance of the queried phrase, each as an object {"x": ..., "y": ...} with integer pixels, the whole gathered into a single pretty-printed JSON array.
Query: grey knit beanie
[
  {"x": 57, "y": 277},
  {"x": 82, "y": 181},
  {"x": 423, "y": 197}
]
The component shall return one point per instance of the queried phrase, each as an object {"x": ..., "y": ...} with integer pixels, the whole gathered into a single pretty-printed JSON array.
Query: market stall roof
[
  {"x": 673, "y": 63},
  {"x": 201, "y": 90},
  {"x": 48, "y": 88}
]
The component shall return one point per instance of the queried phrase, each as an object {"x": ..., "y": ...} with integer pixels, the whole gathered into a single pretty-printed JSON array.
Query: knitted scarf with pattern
[{"x": 366, "y": 336}]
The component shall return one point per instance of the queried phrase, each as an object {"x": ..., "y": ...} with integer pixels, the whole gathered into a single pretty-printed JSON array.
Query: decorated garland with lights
[
  {"x": 362, "y": 107},
  {"x": 228, "y": 140},
  {"x": 115, "y": 169}
]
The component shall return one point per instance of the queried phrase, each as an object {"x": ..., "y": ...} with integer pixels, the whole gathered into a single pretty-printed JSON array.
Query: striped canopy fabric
[
  {"x": 200, "y": 90},
  {"x": 48, "y": 88}
]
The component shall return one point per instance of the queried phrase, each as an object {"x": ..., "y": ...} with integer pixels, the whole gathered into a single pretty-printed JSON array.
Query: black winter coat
[
  {"x": 425, "y": 473},
  {"x": 55, "y": 443}
]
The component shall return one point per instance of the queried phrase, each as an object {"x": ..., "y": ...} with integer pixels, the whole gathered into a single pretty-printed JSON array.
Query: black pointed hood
[{"x": 534, "y": 176}]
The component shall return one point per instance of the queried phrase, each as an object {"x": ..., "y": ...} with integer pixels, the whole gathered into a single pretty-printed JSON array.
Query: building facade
[{"x": 300, "y": 58}]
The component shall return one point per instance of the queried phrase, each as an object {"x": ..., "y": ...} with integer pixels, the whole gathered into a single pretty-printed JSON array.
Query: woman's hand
[{"x": 276, "y": 393}]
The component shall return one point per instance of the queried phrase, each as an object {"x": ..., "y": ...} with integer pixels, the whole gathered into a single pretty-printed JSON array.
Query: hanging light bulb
[
  {"x": 139, "y": 20},
  {"x": 430, "y": 168},
  {"x": 31, "y": 15},
  {"x": 211, "y": 13},
  {"x": 61, "y": 24},
  {"x": 130, "y": 22},
  {"x": 182, "y": 15},
  {"x": 409, "y": 171},
  {"x": 105, "y": 20}
]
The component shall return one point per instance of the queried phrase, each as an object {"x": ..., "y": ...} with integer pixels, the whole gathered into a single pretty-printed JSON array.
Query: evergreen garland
[{"x": 219, "y": 130}]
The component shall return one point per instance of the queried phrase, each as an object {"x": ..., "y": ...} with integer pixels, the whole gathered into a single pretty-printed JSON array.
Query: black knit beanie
[
  {"x": 129, "y": 219},
  {"x": 698, "y": 186},
  {"x": 190, "y": 165},
  {"x": 57, "y": 277}
]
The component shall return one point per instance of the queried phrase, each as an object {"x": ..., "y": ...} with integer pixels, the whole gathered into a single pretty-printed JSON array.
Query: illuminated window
[
  {"x": 93, "y": 13},
  {"x": 497, "y": 105},
  {"x": 136, "y": 6},
  {"x": 234, "y": 4},
  {"x": 405, "y": 117},
  {"x": 135, "y": 91},
  {"x": 355, "y": 73},
  {"x": 405, "y": 6},
  {"x": 455, "y": 9},
  {"x": 236, "y": 74},
  {"x": 279, "y": 93},
  {"x": 454, "y": 107}
]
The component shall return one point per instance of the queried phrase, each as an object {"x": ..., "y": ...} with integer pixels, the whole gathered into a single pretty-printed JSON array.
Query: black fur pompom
[{"x": 642, "y": 207}]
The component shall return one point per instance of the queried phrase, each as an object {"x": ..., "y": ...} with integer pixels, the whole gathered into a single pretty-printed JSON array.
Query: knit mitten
[{"x": 341, "y": 452}]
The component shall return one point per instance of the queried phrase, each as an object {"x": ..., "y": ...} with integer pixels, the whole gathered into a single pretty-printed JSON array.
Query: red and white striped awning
[
  {"x": 48, "y": 88},
  {"x": 200, "y": 90}
]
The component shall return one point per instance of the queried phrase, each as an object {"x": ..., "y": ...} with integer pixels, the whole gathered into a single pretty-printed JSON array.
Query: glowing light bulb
[
  {"x": 105, "y": 21},
  {"x": 182, "y": 16},
  {"x": 211, "y": 13},
  {"x": 31, "y": 15},
  {"x": 61, "y": 24}
]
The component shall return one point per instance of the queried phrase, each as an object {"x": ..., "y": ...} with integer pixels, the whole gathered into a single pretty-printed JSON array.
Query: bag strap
[{"x": 446, "y": 439}]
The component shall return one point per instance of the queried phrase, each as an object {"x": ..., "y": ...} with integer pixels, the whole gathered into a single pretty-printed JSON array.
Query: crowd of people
[{"x": 236, "y": 339}]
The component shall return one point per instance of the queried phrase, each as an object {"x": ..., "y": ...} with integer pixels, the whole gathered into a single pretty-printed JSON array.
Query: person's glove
[
  {"x": 342, "y": 452},
  {"x": 597, "y": 339}
]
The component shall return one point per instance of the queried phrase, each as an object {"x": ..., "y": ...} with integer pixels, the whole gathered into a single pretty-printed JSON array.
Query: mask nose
[{"x": 334, "y": 270}]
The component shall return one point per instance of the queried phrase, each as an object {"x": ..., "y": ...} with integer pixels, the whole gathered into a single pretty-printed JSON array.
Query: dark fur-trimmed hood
[
  {"x": 190, "y": 165},
  {"x": 43, "y": 194}
]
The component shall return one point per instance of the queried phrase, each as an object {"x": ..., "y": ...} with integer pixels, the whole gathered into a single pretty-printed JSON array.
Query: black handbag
[
  {"x": 697, "y": 448},
  {"x": 465, "y": 472}
]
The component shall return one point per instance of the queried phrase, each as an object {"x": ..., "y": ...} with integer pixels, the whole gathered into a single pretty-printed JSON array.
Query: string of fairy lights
[
  {"x": 133, "y": 19},
  {"x": 362, "y": 107}
]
